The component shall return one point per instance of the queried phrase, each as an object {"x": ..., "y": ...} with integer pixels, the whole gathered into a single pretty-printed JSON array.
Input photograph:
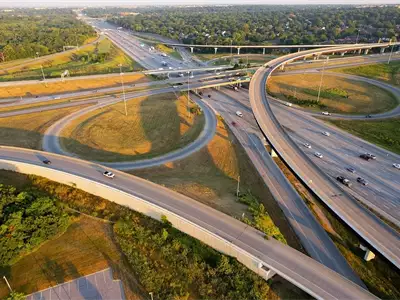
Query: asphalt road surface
[{"x": 318, "y": 280}]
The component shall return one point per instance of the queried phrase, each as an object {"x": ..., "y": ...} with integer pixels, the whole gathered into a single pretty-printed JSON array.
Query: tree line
[
  {"x": 260, "y": 24},
  {"x": 30, "y": 32}
]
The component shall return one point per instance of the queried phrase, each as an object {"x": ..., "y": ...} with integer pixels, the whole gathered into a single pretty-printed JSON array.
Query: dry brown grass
[
  {"x": 27, "y": 130},
  {"x": 58, "y": 87},
  {"x": 155, "y": 125},
  {"x": 359, "y": 97},
  {"x": 86, "y": 247}
]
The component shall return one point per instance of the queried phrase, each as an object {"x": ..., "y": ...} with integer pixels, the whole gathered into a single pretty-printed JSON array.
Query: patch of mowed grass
[
  {"x": 384, "y": 133},
  {"x": 155, "y": 125},
  {"x": 27, "y": 130},
  {"x": 101, "y": 57},
  {"x": 340, "y": 95},
  {"x": 385, "y": 72}
]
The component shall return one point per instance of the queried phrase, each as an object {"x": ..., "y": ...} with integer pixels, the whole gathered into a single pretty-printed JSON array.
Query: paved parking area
[{"x": 96, "y": 286}]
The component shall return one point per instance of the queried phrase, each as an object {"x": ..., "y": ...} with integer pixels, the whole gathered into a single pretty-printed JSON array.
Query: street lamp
[
  {"x": 231, "y": 52},
  {"x": 188, "y": 110},
  {"x": 44, "y": 78},
  {"x": 391, "y": 52},
  {"x": 151, "y": 295},
  {"x": 123, "y": 88},
  {"x": 322, "y": 77},
  {"x": 358, "y": 35}
]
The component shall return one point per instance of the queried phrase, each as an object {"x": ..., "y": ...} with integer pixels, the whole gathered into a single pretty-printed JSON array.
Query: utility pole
[
  {"x": 151, "y": 295},
  {"x": 322, "y": 77},
  {"x": 44, "y": 78},
  {"x": 123, "y": 88},
  {"x": 9, "y": 287},
  {"x": 231, "y": 53}
]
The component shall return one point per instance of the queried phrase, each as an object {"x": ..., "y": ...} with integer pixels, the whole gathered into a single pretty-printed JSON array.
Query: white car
[
  {"x": 326, "y": 133},
  {"x": 239, "y": 114},
  {"x": 109, "y": 174},
  {"x": 288, "y": 104},
  {"x": 191, "y": 76},
  {"x": 160, "y": 69},
  {"x": 175, "y": 86},
  {"x": 319, "y": 155},
  {"x": 325, "y": 113},
  {"x": 307, "y": 145},
  {"x": 397, "y": 166}
]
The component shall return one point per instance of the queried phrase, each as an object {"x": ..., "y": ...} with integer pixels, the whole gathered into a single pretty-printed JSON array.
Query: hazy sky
[{"x": 30, "y": 3}]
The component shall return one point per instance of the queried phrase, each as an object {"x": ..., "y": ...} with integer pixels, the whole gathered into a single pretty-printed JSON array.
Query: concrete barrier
[{"x": 144, "y": 207}]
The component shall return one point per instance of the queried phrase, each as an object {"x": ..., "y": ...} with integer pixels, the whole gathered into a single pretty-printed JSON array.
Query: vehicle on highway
[
  {"x": 371, "y": 155},
  {"x": 344, "y": 180},
  {"x": 164, "y": 63},
  {"x": 142, "y": 45},
  {"x": 160, "y": 69},
  {"x": 234, "y": 123},
  {"x": 175, "y": 86},
  {"x": 109, "y": 174},
  {"x": 362, "y": 181},
  {"x": 288, "y": 104},
  {"x": 56, "y": 97},
  {"x": 47, "y": 162},
  {"x": 368, "y": 116},
  {"x": 397, "y": 166},
  {"x": 325, "y": 113},
  {"x": 326, "y": 133},
  {"x": 368, "y": 156},
  {"x": 164, "y": 54},
  {"x": 180, "y": 75},
  {"x": 191, "y": 76},
  {"x": 239, "y": 114},
  {"x": 307, "y": 145},
  {"x": 351, "y": 170},
  {"x": 319, "y": 155}
]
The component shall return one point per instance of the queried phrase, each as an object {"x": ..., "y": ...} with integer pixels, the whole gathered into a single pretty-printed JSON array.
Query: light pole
[
  {"x": 44, "y": 78},
  {"x": 188, "y": 110},
  {"x": 37, "y": 55},
  {"x": 151, "y": 295},
  {"x": 358, "y": 35},
  {"x": 322, "y": 77},
  {"x": 9, "y": 287},
  {"x": 231, "y": 52},
  {"x": 238, "y": 187},
  {"x": 391, "y": 53},
  {"x": 123, "y": 88}
]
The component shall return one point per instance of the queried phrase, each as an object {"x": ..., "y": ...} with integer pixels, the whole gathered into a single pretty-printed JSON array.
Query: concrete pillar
[
  {"x": 305, "y": 58},
  {"x": 359, "y": 51},
  {"x": 216, "y": 49},
  {"x": 383, "y": 50},
  {"x": 265, "y": 272},
  {"x": 369, "y": 255},
  {"x": 238, "y": 51},
  {"x": 298, "y": 49},
  {"x": 191, "y": 49},
  {"x": 343, "y": 53},
  {"x": 263, "y": 51},
  {"x": 366, "y": 51}
]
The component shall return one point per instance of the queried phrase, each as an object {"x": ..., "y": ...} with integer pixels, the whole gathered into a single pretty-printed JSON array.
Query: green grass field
[
  {"x": 155, "y": 125},
  {"x": 384, "y": 133},
  {"x": 84, "y": 61},
  {"x": 338, "y": 94},
  {"x": 389, "y": 73},
  {"x": 169, "y": 51}
]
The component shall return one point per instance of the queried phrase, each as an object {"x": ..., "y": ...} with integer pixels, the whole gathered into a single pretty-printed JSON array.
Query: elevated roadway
[
  {"x": 376, "y": 233},
  {"x": 311, "y": 276}
]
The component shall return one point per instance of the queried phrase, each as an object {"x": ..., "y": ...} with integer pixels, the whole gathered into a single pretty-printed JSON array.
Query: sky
[{"x": 61, "y": 3}]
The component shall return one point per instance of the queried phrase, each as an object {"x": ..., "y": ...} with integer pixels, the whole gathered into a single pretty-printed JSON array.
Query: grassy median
[
  {"x": 338, "y": 94},
  {"x": 155, "y": 125}
]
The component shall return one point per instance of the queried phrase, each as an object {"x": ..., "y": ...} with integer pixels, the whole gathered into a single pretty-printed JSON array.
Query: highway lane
[
  {"x": 311, "y": 234},
  {"x": 318, "y": 280},
  {"x": 384, "y": 239}
]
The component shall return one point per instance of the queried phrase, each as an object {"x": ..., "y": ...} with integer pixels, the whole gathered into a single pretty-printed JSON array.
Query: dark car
[
  {"x": 368, "y": 116},
  {"x": 362, "y": 181},
  {"x": 365, "y": 156},
  {"x": 351, "y": 170},
  {"x": 47, "y": 162},
  {"x": 344, "y": 180}
]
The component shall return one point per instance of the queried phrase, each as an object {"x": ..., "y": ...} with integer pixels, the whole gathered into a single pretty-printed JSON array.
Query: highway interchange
[{"x": 251, "y": 141}]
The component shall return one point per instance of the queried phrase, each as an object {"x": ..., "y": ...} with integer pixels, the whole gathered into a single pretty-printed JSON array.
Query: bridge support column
[
  {"x": 265, "y": 272},
  {"x": 238, "y": 51},
  {"x": 343, "y": 53},
  {"x": 305, "y": 58},
  {"x": 359, "y": 51},
  {"x": 366, "y": 51},
  {"x": 298, "y": 49},
  {"x": 216, "y": 49},
  {"x": 191, "y": 49},
  {"x": 383, "y": 50},
  {"x": 369, "y": 255},
  {"x": 273, "y": 153},
  {"x": 263, "y": 51}
]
